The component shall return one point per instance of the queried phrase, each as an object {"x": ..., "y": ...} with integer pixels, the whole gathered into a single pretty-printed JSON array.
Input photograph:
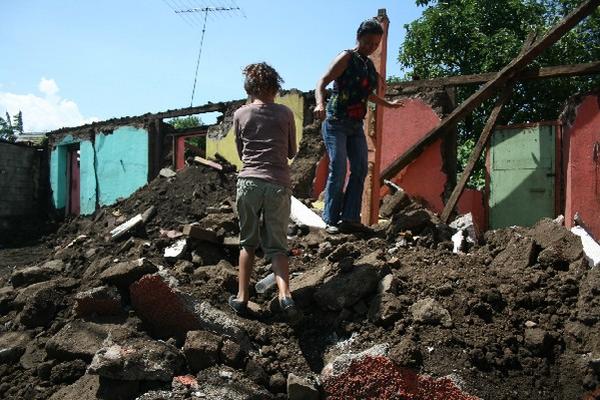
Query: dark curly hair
[
  {"x": 368, "y": 27},
  {"x": 261, "y": 79}
]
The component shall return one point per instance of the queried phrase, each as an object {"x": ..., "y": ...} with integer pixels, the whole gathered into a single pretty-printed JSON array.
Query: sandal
[{"x": 239, "y": 307}]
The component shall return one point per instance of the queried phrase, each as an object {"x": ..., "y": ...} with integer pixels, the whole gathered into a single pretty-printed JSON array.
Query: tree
[
  {"x": 186, "y": 122},
  {"x": 9, "y": 128},
  {"x": 460, "y": 37}
]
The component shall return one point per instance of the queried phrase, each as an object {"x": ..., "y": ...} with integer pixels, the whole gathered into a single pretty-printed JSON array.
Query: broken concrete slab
[
  {"x": 201, "y": 350},
  {"x": 303, "y": 287},
  {"x": 346, "y": 289},
  {"x": 221, "y": 323},
  {"x": 35, "y": 274},
  {"x": 196, "y": 232},
  {"x": 303, "y": 215},
  {"x": 93, "y": 387},
  {"x": 79, "y": 340},
  {"x": 299, "y": 388},
  {"x": 168, "y": 311},
  {"x": 137, "y": 359},
  {"x": 102, "y": 300},
  {"x": 341, "y": 363},
  {"x": 12, "y": 346},
  {"x": 125, "y": 273}
]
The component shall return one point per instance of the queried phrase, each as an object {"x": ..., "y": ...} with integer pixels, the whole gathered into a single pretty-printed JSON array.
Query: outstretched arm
[
  {"x": 335, "y": 70},
  {"x": 383, "y": 102}
]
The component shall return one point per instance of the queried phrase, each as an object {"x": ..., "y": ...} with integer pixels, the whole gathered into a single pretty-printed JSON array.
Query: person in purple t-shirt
[{"x": 266, "y": 139}]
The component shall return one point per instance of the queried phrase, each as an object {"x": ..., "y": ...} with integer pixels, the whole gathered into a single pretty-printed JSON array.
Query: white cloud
[{"x": 43, "y": 113}]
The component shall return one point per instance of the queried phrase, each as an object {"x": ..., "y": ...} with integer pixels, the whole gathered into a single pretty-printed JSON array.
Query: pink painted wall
[
  {"x": 423, "y": 179},
  {"x": 582, "y": 163},
  {"x": 403, "y": 127}
]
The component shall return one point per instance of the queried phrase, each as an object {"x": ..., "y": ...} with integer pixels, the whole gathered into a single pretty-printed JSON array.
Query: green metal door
[{"x": 522, "y": 175}]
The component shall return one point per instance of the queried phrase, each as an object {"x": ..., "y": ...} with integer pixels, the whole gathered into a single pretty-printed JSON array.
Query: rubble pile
[{"x": 139, "y": 310}]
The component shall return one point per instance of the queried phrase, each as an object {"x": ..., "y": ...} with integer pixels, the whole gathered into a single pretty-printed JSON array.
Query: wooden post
[
  {"x": 374, "y": 131},
  {"x": 486, "y": 91},
  {"x": 485, "y": 135}
]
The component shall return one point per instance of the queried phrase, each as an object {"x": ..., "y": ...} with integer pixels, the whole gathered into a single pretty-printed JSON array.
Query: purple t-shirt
[{"x": 265, "y": 135}]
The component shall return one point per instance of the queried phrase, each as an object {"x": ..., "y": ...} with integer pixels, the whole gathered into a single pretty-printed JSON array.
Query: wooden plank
[
  {"x": 558, "y": 71},
  {"x": 488, "y": 90},
  {"x": 208, "y": 163},
  {"x": 477, "y": 151}
]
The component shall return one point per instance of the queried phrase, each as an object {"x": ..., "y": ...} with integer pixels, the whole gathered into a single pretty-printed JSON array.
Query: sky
[{"x": 71, "y": 62}]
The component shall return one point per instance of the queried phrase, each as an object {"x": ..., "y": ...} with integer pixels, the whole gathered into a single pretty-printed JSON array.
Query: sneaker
[
  {"x": 332, "y": 229},
  {"x": 288, "y": 307},
  {"x": 238, "y": 306}
]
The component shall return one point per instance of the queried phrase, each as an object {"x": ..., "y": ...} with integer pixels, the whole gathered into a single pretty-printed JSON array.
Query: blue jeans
[{"x": 344, "y": 140}]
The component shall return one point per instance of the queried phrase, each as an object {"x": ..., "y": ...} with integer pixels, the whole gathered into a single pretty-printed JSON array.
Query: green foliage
[
  {"x": 461, "y": 37},
  {"x": 11, "y": 127},
  {"x": 186, "y": 122}
]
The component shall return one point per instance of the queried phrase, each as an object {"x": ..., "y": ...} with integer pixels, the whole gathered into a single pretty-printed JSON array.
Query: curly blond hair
[{"x": 261, "y": 79}]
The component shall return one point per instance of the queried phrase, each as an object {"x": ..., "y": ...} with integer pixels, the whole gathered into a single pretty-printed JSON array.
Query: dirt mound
[{"x": 515, "y": 318}]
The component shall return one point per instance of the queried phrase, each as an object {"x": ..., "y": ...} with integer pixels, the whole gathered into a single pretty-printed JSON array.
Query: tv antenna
[{"x": 206, "y": 11}]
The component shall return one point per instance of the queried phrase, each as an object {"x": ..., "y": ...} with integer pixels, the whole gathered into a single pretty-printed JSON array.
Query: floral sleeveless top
[{"x": 352, "y": 89}]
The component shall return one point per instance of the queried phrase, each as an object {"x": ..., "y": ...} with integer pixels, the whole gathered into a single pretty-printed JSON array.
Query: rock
[
  {"x": 394, "y": 203},
  {"x": 345, "y": 289},
  {"x": 256, "y": 372},
  {"x": 201, "y": 350},
  {"x": 12, "y": 346},
  {"x": 137, "y": 359},
  {"x": 7, "y": 295},
  {"x": 103, "y": 300},
  {"x": 221, "y": 323},
  {"x": 41, "y": 307},
  {"x": 229, "y": 385},
  {"x": 277, "y": 383},
  {"x": 97, "y": 266},
  {"x": 430, "y": 312},
  {"x": 93, "y": 387},
  {"x": 406, "y": 353},
  {"x": 519, "y": 254},
  {"x": 413, "y": 220},
  {"x": 537, "y": 339},
  {"x": 27, "y": 294},
  {"x": 167, "y": 311},
  {"x": 35, "y": 354},
  {"x": 558, "y": 240},
  {"x": 125, "y": 273},
  {"x": 167, "y": 173},
  {"x": 30, "y": 275},
  {"x": 343, "y": 251},
  {"x": 301, "y": 389},
  {"x": 303, "y": 287},
  {"x": 387, "y": 284},
  {"x": 232, "y": 354},
  {"x": 385, "y": 309},
  {"x": 67, "y": 372},
  {"x": 78, "y": 340}
]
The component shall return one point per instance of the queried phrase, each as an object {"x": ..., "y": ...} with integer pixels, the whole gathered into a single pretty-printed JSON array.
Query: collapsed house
[{"x": 128, "y": 299}]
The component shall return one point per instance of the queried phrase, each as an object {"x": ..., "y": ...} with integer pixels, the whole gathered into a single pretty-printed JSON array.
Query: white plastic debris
[
  {"x": 176, "y": 250},
  {"x": 591, "y": 248},
  {"x": 303, "y": 215}
]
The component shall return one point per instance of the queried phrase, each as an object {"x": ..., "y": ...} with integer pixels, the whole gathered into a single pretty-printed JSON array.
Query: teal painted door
[{"x": 522, "y": 175}]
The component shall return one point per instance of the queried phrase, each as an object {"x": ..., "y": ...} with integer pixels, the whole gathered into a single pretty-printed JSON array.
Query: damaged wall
[
  {"x": 224, "y": 144},
  {"x": 21, "y": 177},
  {"x": 112, "y": 165},
  {"x": 582, "y": 161}
]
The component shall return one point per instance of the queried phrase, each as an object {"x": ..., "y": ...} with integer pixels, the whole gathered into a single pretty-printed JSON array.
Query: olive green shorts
[{"x": 255, "y": 198}]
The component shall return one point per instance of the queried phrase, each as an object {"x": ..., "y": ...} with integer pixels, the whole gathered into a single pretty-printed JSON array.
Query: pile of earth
[{"x": 387, "y": 314}]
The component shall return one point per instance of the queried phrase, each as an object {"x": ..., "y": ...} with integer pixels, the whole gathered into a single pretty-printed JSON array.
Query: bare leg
[
  {"x": 281, "y": 268},
  {"x": 246, "y": 265}
]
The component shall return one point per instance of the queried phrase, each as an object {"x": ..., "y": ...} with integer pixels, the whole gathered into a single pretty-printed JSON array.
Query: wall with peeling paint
[
  {"x": 113, "y": 166},
  {"x": 225, "y": 144},
  {"x": 121, "y": 163}
]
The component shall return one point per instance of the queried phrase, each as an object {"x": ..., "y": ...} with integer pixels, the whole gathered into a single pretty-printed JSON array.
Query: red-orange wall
[
  {"x": 582, "y": 163},
  {"x": 424, "y": 178}
]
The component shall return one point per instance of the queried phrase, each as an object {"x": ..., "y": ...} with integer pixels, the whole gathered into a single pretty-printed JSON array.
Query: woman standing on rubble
[
  {"x": 266, "y": 138},
  {"x": 355, "y": 82}
]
